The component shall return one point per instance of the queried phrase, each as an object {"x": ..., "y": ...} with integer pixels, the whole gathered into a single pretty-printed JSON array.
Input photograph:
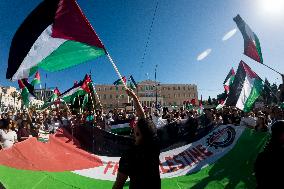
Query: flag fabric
[
  {"x": 246, "y": 88},
  {"x": 133, "y": 81},
  {"x": 251, "y": 42},
  {"x": 55, "y": 95},
  {"x": 36, "y": 80},
  {"x": 25, "y": 93},
  {"x": 56, "y": 35},
  {"x": 85, "y": 100},
  {"x": 53, "y": 99},
  {"x": 229, "y": 80},
  {"x": 193, "y": 102},
  {"x": 213, "y": 161},
  {"x": 82, "y": 88},
  {"x": 119, "y": 81}
]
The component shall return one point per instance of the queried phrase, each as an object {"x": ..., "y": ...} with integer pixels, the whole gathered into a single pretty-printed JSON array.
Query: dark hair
[
  {"x": 6, "y": 123},
  {"x": 148, "y": 130},
  {"x": 277, "y": 130}
]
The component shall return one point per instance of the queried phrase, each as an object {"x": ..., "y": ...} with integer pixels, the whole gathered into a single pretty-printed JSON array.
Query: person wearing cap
[{"x": 269, "y": 164}]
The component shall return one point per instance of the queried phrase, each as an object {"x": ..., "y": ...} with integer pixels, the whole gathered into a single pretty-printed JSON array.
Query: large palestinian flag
[
  {"x": 251, "y": 42},
  {"x": 222, "y": 159},
  {"x": 229, "y": 80},
  {"x": 246, "y": 88},
  {"x": 55, "y": 36}
]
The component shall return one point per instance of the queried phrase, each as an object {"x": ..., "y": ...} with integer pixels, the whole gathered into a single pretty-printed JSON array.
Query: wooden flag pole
[
  {"x": 95, "y": 92},
  {"x": 116, "y": 70}
]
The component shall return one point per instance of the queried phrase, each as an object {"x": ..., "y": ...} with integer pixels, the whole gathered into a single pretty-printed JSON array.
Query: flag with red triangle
[
  {"x": 229, "y": 80},
  {"x": 251, "y": 42},
  {"x": 26, "y": 94},
  {"x": 82, "y": 88},
  {"x": 36, "y": 80},
  {"x": 56, "y": 35}
]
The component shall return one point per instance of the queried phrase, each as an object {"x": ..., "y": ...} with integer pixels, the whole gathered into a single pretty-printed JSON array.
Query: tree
[
  {"x": 209, "y": 101},
  {"x": 214, "y": 101},
  {"x": 221, "y": 97},
  {"x": 14, "y": 95}
]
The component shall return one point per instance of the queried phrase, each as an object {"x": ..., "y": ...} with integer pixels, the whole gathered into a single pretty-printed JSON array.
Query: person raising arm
[{"x": 141, "y": 162}]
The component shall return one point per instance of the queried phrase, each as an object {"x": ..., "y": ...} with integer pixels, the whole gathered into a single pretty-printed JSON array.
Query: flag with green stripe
[
  {"x": 56, "y": 35},
  {"x": 246, "y": 89}
]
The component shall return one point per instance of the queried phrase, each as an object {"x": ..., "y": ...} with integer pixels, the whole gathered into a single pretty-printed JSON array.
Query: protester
[
  {"x": 24, "y": 131},
  {"x": 269, "y": 164},
  {"x": 8, "y": 137},
  {"x": 141, "y": 162}
]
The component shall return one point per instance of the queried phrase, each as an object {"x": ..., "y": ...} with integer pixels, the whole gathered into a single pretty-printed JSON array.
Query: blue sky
[{"x": 181, "y": 31}]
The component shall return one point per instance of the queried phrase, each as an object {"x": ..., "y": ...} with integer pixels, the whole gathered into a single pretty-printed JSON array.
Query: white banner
[{"x": 179, "y": 161}]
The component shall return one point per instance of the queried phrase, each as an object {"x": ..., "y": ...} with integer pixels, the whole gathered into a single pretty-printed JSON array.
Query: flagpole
[
  {"x": 272, "y": 69},
  {"x": 95, "y": 92},
  {"x": 116, "y": 70}
]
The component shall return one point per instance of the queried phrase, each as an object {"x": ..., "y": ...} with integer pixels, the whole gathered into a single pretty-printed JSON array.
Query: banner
[{"x": 179, "y": 161}]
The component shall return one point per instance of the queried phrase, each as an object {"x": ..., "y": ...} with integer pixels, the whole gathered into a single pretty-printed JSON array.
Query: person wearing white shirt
[{"x": 8, "y": 137}]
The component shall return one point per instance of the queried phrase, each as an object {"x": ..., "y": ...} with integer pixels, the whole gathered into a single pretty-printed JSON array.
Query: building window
[
  {"x": 184, "y": 95},
  {"x": 174, "y": 88},
  {"x": 105, "y": 96},
  {"x": 169, "y": 88},
  {"x": 110, "y": 96},
  {"x": 184, "y": 88},
  {"x": 178, "y": 95},
  {"x": 178, "y": 88},
  {"x": 188, "y": 95},
  {"x": 175, "y": 95},
  {"x": 99, "y": 89},
  {"x": 110, "y": 88},
  {"x": 105, "y": 88}
]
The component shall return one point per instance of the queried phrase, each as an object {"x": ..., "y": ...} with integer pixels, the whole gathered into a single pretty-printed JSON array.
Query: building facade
[
  {"x": 10, "y": 98},
  {"x": 166, "y": 95}
]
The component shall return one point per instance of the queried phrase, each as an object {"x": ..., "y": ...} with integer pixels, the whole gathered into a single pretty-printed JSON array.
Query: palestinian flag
[
  {"x": 246, "y": 88},
  {"x": 53, "y": 99},
  {"x": 251, "y": 42},
  {"x": 55, "y": 36},
  {"x": 55, "y": 95},
  {"x": 215, "y": 161},
  {"x": 82, "y": 88},
  {"x": 229, "y": 80},
  {"x": 36, "y": 80},
  {"x": 26, "y": 92},
  {"x": 119, "y": 81},
  {"x": 133, "y": 84}
]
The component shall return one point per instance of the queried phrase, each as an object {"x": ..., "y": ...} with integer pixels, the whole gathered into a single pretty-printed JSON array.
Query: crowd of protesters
[{"x": 16, "y": 126}]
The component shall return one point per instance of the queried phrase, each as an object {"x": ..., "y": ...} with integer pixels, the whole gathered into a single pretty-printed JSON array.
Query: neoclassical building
[{"x": 112, "y": 96}]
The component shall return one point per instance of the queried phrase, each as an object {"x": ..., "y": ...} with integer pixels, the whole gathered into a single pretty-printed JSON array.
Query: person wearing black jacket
[
  {"x": 141, "y": 162},
  {"x": 269, "y": 164}
]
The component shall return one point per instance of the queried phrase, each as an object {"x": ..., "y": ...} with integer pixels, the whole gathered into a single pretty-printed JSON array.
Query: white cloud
[
  {"x": 229, "y": 34},
  {"x": 204, "y": 54}
]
